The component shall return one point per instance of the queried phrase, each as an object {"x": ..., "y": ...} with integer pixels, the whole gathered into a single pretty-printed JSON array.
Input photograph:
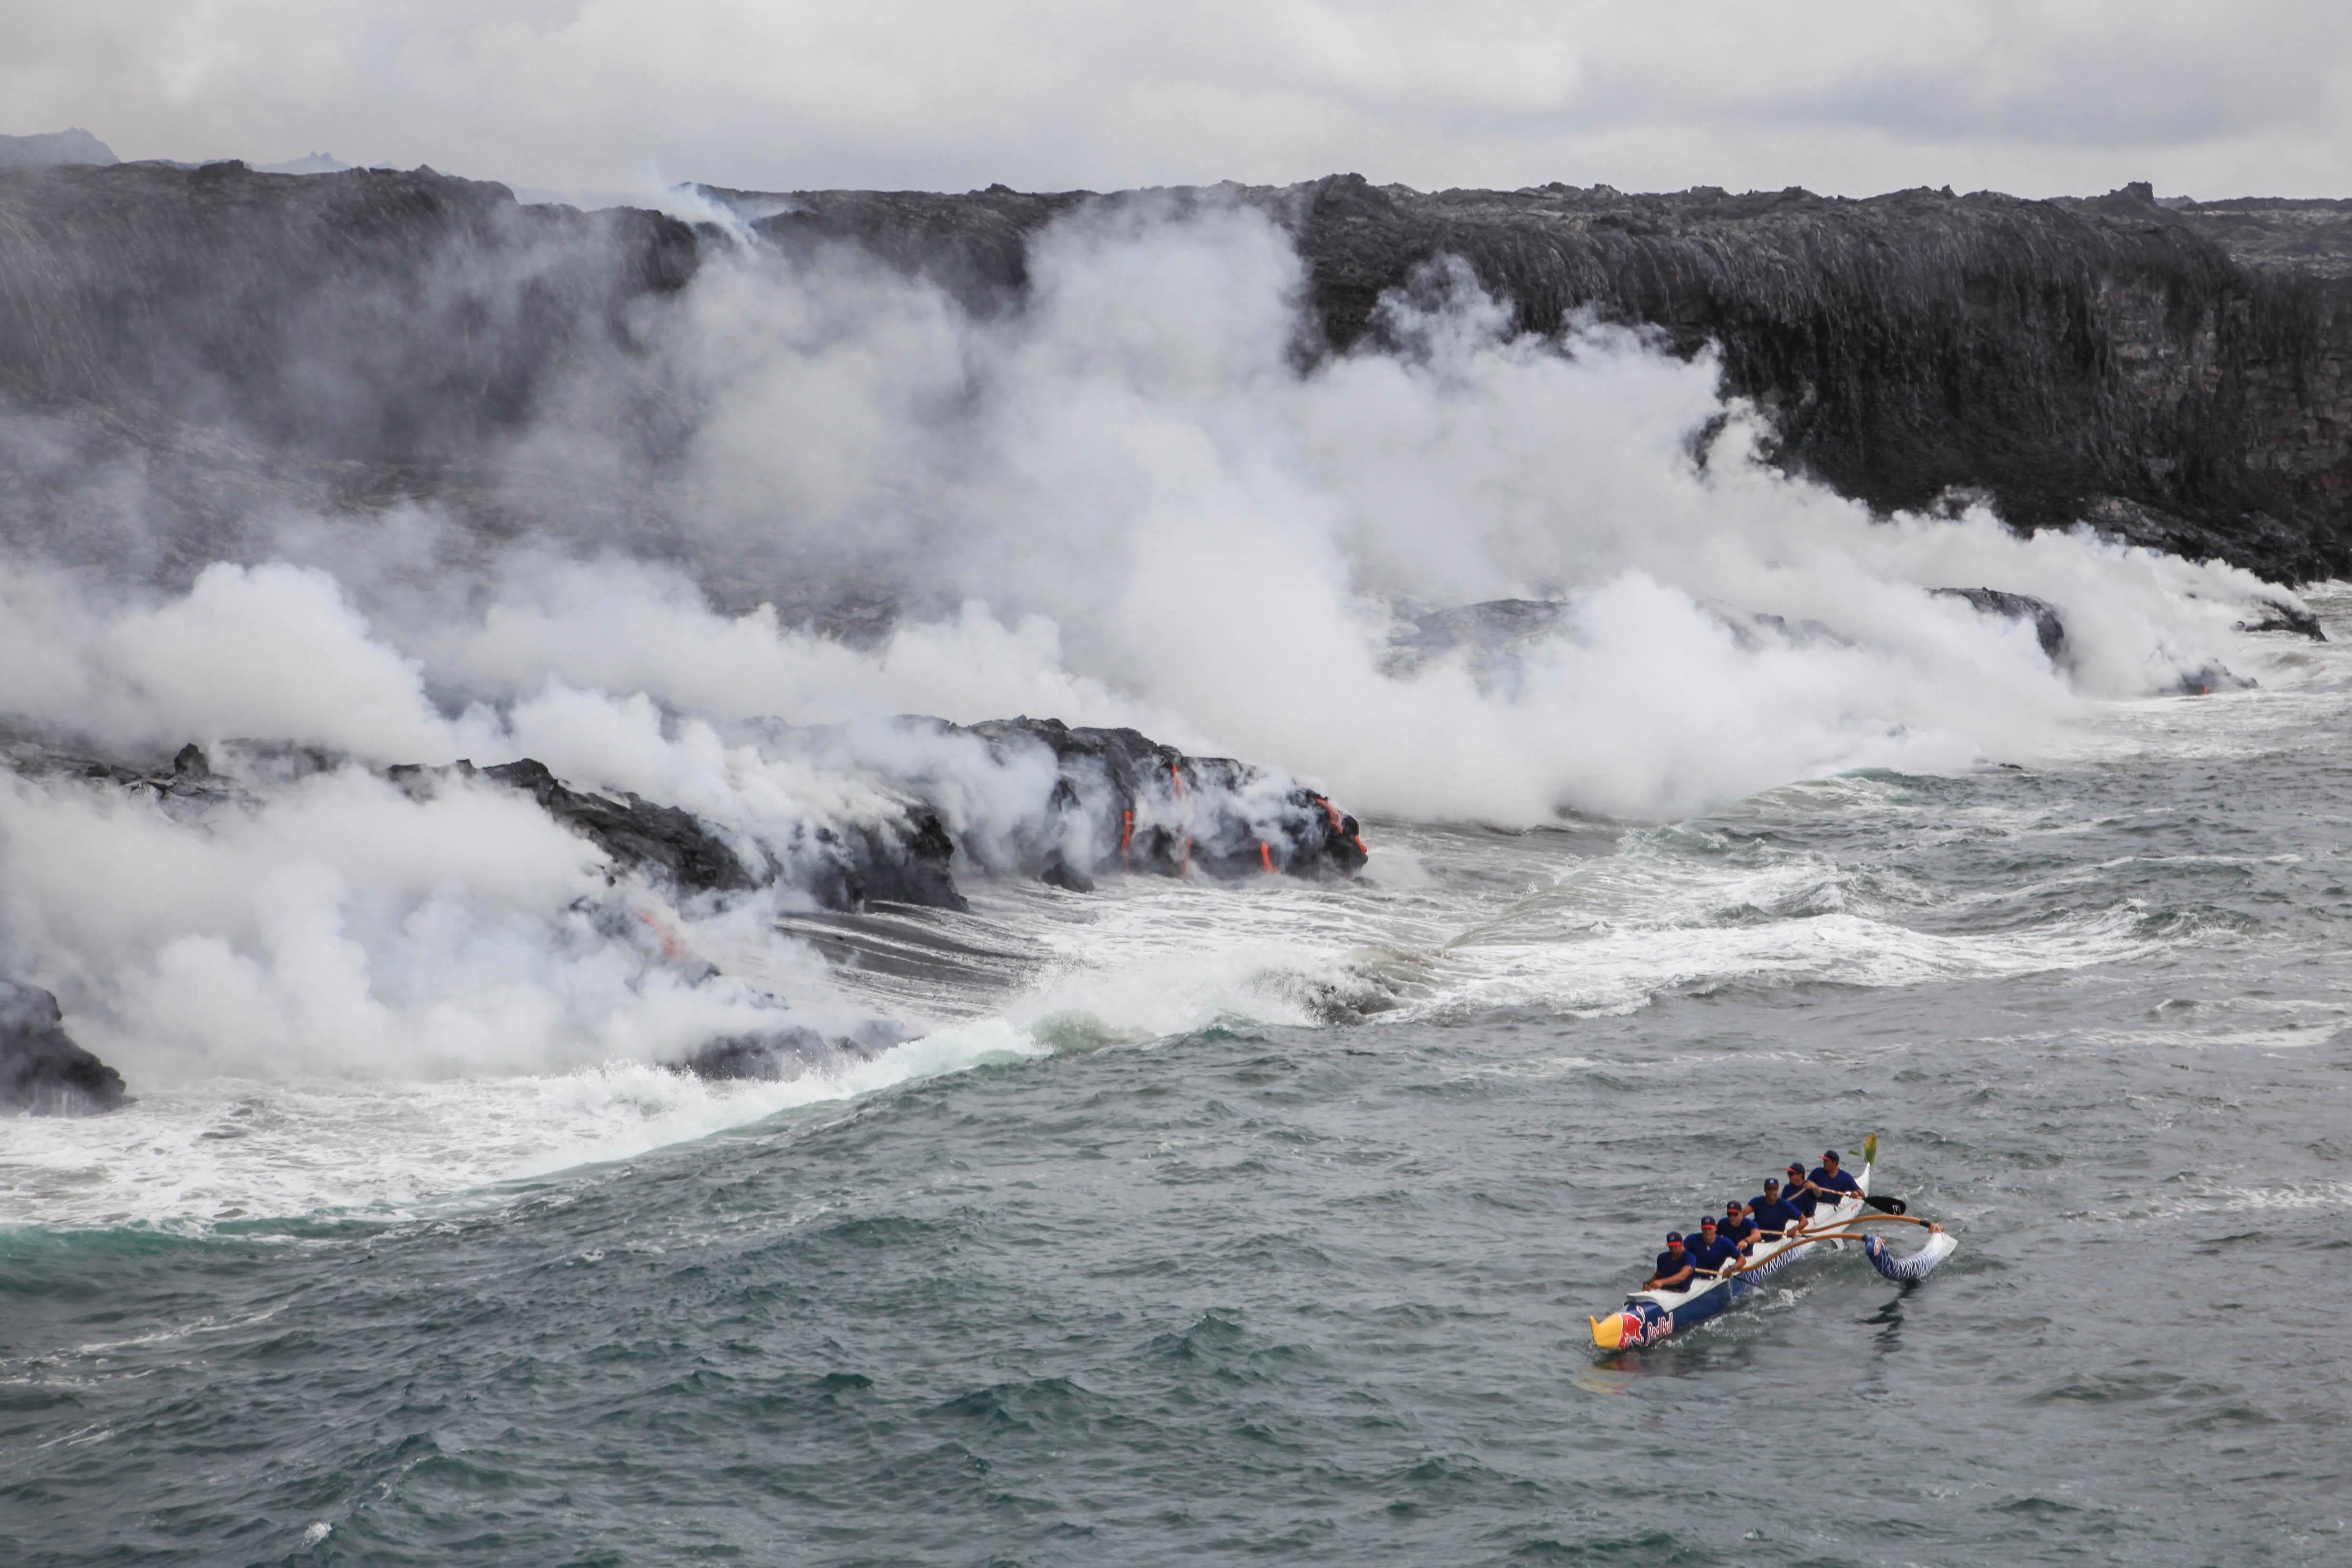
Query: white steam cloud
[
  {"x": 1124, "y": 503},
  {"x": 1152, "y": 515}
]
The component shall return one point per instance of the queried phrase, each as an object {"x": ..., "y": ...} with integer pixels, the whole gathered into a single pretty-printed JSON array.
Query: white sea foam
[{"x": 227, "y": 1150}]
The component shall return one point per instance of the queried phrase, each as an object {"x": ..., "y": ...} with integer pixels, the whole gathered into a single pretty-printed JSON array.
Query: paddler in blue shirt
[
  {"x": 1800, "y": 1194},
  {"x": 1710, "y": 1254},
  {"x": 1775, "y": 1216},
  {"x": 1833, "y": 1184},
  {"x": 1674, "y": 1265},
  {"x": 1736, "y": 1228}
]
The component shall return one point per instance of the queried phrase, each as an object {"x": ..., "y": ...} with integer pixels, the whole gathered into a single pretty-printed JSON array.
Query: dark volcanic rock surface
[
  {"x": 2307, "y": 237},
  {"x": 2049, "y": 627},
  {"x": 1150, "y": 808},
  {"x": 841, "y": 865},
  {"x": 184, "y": 352},
  {"x": 671, "y": 843},
  {"x": 788, "y": 1050},
  {"x": 976, "y": 246},
  {"x": 2272, "y": 615},
  {"x": 41, "y": 1069},
  {"x": 2177, "y": 375},
  {"x": 373, "y": 316}
]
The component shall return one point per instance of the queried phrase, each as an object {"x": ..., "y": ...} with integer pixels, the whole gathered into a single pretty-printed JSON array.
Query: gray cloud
[{"x": 2202, "y": 97}]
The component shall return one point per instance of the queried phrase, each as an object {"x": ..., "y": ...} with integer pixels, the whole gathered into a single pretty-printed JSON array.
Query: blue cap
[
  {"x": 1830, "y": 1154},
  {"x": 1674, "y": 1236},
  {"x": 1771, "y": 1181},
  {"x": 1707, "y": 1220}
]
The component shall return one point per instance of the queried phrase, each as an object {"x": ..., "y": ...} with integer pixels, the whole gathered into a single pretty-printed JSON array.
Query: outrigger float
[{"x": 1649, "y": 1316}]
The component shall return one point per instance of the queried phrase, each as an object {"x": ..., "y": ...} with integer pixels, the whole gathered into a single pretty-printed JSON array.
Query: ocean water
[{"x": 1263, "y": 1224}]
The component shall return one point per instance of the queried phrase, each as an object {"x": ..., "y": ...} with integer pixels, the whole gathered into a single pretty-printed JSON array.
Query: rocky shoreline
[
  {"x": 42, "y": 1071},
  {"x": 1099, "y": 803}
]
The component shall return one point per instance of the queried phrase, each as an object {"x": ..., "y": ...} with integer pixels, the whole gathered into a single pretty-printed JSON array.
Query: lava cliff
[{"x": 2172, "y": 373}]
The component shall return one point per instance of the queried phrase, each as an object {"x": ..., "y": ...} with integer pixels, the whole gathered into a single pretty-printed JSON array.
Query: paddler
[
  {"x": 1775, "y": 1216},
  {"x": 1798, "y": 1193},
  {"x": 1710, "y": 1253},
  {"x": 1674, "y": 1265},
  {"x": 1736, "y": 1228},
  {"x": 1833, "y": 1184}
]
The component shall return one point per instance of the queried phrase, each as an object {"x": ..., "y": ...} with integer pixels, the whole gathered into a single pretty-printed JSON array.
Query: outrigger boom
[{"x": 1649, "y": 1316}]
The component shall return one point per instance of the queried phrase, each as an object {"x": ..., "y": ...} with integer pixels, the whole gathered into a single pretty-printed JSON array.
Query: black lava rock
[
  {"x": 857, "y": 865},
  {"x": 2179, "y": 375},
  {"x": 2277, "y": 616},
  {"x": 844, "y": 866},
  {"x": 1151, "y": 809},
  {"x": 786, "y": 1051},
  {"x": 2207, "y": 679},
  {"x": 635, "y": 832},
  {"x": 42, "y": 1071},
  {"x": 371, "y": 315},
  {"x": 2049, "y": 627}
]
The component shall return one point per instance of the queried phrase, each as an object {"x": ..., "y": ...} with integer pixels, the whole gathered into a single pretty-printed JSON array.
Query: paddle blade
[
  {"x": 1886, "y": 1206},
  {"x": 1870, "y": 1150}
]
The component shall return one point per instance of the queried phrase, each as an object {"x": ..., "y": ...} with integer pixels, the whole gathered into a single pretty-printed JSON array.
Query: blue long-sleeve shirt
[
  {"x": 1717, "y": 1253},
  {"x": 1836, "y": 1182}
]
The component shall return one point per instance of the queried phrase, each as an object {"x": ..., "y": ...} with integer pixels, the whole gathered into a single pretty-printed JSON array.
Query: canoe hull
[{"x": 1651, "y": 1316}]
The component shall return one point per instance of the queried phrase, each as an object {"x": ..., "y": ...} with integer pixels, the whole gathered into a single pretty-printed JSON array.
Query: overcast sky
[{"x": 1843, "y": 96}]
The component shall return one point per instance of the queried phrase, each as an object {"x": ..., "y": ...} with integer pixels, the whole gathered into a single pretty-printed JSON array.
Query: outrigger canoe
[{"x": 1649, "y": 1316}]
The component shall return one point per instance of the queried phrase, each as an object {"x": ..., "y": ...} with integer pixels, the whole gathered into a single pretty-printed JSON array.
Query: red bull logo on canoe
[{"x": 1631, "y": 1330}]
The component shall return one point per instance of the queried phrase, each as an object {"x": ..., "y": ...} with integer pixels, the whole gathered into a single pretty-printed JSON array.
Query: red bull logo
[{"x": 1631, "y": 1331}]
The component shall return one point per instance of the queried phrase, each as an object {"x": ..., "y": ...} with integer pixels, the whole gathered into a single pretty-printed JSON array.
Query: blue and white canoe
[{"x": 1650, "y": 1316}]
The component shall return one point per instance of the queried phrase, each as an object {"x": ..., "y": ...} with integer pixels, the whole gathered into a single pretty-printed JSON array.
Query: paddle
[
  {"x": 1888, "y": 1209},
  {"x": 1838, "y": 1232},
  {"x": 1883, "y": 1206}
]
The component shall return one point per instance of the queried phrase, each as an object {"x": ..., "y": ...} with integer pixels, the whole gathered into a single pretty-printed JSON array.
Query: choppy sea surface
[{"x": 1263, "y": 1224}]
